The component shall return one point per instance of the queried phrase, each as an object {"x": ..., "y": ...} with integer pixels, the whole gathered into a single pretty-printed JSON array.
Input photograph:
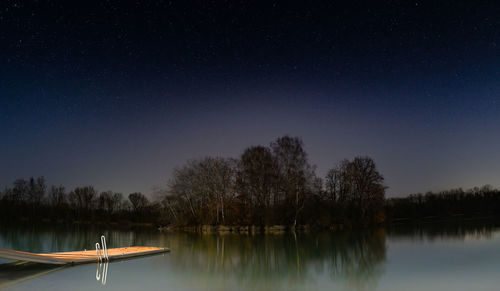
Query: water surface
[{"x": 439, "y": 258}]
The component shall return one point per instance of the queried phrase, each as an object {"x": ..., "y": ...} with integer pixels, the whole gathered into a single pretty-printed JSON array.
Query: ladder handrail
[
  {"x": 104, "y": 248},
  {"x": 98, "y": 251}
]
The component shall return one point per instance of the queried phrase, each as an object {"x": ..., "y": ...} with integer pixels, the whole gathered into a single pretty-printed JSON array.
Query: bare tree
[
  {"x": 295, "y": 174},
  {"x": 332, "y": 181},
  {"x": 41, "y": 188},
  {"x": 20, "y": 190},
  {"x": 368, "y": 188},
  {"x": 138, "y": 201},
  {"x": 57, "y": 196},
  {"x": 358, "y": 185},
  {"x": 83, "y": 198},
  {"x": 203, "y": 190},
  {"x": 115, "y": 203},
  {"x": 184, "y": 189},
  {"x": 338, "y": 182},
  {"x": 256, "y": 178}
]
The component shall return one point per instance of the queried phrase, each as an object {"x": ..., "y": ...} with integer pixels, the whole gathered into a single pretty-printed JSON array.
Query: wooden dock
[{"x": 80, "y": 257}]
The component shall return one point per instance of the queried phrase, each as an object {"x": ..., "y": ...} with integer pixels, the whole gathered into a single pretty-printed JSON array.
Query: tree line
[
  {"x": 478, "y": 202},
  {"x": 264, "y": 186},
  {"x": 31, "y": 199}
]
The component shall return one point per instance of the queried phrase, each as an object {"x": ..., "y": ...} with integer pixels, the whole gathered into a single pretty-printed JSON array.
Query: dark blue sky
[{"x": 118, "y": 95}]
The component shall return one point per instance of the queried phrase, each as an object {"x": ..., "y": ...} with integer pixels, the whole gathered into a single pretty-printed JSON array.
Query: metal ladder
[
  {"x": 104, "y": 250},
  {"x": 102, "y": 272}
]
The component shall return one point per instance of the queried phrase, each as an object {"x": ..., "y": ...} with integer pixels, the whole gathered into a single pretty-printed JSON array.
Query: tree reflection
[
  {"x": 353, "y": 256},
  {"x": 442, "y": 231}
]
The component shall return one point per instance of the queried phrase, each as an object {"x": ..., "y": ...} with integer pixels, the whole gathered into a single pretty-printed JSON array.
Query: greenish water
[{"x": 438, "y": 258}]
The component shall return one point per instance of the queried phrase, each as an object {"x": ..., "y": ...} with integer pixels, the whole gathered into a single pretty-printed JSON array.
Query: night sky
[{"x": 117, "y": 95}]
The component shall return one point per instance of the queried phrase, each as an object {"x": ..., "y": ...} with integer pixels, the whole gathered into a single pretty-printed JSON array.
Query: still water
[{"x": 438, "y": 258}]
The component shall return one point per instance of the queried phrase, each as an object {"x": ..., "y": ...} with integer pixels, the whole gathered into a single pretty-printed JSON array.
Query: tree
[
  {"x": 339, "y": 183},
  {"x": 115, "y": 203},
  {"x": 170, "y": 203},
  {"x": 358, "y": 186},
  {"x": 185, "y": 192},
  {"x": 20, "y": 190},
  {"x": 57, "y": 196},
  {"x": 332, "y": 184},
  {"x": 138, "y": 201},
  {"x": 36, "y": 191},
  {"x": 295, "y": 174},
  {"x": 369, "y": 186},
  {"x": 203, "y": 190},
  {"x": 221, "y": 183},
  {"x": 109, "y": 202},
  {"x": 256, "y": 177},
  {"x": 83, "y": 199}
]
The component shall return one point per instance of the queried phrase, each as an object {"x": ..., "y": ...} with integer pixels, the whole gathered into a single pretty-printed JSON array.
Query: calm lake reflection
[{"x": 448, "y": 257}]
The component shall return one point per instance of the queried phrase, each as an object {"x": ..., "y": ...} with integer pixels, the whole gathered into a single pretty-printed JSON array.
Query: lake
[{"x": 445, "y": 257}]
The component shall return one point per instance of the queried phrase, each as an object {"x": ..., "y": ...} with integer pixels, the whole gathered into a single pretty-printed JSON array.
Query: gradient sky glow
[{"x": 117, "y": 96}]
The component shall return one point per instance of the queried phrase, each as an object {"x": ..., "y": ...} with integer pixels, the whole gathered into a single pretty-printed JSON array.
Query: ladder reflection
[{"x": 102, "y": 272}]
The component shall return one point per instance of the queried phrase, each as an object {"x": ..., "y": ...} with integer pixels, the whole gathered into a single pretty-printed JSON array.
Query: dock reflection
[{"x": 16, "y": 272}]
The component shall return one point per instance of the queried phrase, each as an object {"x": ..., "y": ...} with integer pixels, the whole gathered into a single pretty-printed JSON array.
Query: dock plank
[{"x": 79, "y": 257}]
